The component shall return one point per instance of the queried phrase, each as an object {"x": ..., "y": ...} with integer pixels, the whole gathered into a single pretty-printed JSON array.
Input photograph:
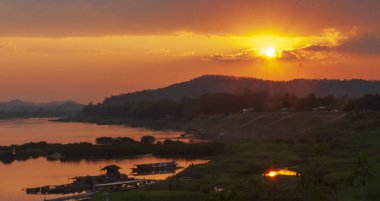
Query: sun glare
[{"x": 270, "y": 52}]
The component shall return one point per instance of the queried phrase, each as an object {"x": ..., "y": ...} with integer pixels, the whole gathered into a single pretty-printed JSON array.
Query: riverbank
[
  {"x": 251, "y": 125},
  {"x": 335, "y": 154},
  {"x": 21, "y": 131},
  {"x": 107, "y": 148}
]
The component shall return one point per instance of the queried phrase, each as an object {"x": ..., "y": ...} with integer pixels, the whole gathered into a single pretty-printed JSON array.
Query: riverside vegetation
[
  {"x": 336, "y": 153},
  {"x": 333, "y": 142},
  {"x": 338, "y": 160},
  {"x": 107, "y": 148},
  {"x": 154, "y": 113}
]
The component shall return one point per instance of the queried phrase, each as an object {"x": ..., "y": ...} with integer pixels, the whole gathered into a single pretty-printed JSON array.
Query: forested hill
[{"x": 228, "y": 84}]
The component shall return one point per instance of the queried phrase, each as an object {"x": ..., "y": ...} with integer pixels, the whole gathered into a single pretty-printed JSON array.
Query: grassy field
[{"x": 338, "y": 159}]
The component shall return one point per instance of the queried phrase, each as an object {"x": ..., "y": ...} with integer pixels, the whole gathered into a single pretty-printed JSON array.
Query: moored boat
[{"x": 155, "y": 167}]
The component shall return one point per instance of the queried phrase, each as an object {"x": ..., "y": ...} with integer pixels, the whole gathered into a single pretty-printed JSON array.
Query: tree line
[
  {"x": 107, "y": 148},
  {"x": 227, "y": 103}
]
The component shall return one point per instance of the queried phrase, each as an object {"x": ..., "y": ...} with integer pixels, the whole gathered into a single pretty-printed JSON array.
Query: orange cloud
[
  {"x": 242, "y": 56},
  {"x": 252, "y": 55},
  {"x": 359, "y": 45},
  {"x": 363, "y": 45}
]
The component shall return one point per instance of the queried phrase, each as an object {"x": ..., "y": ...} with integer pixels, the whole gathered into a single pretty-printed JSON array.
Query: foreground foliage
[
  {"x": 222, "y": 103},
  {"x": 339, "y": 161}
]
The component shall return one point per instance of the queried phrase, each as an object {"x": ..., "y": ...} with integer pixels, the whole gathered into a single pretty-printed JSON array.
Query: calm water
[
  {"x": 20, "y": 131},
  {"x": 40, "y": 172}
]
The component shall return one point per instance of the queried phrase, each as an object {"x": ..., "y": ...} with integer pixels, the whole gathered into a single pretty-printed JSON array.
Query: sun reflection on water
[{"x": 280, "y": 172}]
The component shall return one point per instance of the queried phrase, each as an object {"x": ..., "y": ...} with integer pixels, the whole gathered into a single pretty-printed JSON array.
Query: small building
[{"x": 112, "y": 171}]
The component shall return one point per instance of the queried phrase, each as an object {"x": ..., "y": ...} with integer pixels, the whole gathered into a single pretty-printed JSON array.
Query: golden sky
[{"x": 86, "y": 50}]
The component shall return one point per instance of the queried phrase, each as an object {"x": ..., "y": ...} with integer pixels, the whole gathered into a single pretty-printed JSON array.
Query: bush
[{"x": 147, "y": 139}]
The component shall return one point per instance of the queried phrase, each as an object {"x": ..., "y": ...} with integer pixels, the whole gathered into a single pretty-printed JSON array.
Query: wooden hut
[{"x": 112, "y": 171}]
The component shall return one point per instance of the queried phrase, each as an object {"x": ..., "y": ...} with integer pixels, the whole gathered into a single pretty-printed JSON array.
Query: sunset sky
[{"x": 85, "y": 50}]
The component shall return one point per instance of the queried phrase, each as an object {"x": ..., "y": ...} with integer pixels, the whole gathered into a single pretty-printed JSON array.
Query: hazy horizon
[{"x": 38, "y": 101}]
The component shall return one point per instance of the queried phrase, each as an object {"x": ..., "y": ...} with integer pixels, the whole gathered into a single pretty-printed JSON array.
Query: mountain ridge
[
  {"x": 19, "y": 106},
  {"x": 230, "y": 84}
]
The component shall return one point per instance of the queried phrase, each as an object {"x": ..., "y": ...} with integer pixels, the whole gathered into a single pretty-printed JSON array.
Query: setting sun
[{"x": 270, "y": 52}]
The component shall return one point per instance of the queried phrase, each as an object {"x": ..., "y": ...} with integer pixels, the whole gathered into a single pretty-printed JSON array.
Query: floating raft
[
  {"x": 108, "y": 187},
  {"x": 111, "y": 181}
]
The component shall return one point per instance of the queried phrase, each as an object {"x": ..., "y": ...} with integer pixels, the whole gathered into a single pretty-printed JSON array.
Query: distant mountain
[
  {"x": 217, "y": 83},
  {"x": 18, "y": 105},
  {"x": 20, "y": 109}
]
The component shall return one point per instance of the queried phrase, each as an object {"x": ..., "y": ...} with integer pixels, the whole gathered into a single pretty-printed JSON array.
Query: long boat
[{"x": 155, "y": 167}]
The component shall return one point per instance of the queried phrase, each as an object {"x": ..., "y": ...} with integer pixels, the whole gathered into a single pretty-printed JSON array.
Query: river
[
  {"x": 39, "y": 172},
  {"x": 20, "y": 131}
]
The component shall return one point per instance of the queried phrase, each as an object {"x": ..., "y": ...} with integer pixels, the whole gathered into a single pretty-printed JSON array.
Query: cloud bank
[
  {"x": 60, "y": 18},
  {"x": 365, "y": 45}
]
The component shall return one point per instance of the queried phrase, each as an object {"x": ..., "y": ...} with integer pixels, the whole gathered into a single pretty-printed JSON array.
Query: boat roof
[
  {"x": 171, "y": 162},
  {"x": 111, "y": 167}
]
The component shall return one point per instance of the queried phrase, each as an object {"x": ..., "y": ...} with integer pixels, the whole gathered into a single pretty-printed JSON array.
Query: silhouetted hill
[
  {"x": 228, "y": 84},
  {"x": 21, "y": 109},
  {"x": 18, "y": 105}
]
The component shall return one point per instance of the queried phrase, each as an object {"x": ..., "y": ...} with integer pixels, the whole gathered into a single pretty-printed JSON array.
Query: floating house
[{"x": 112, "y": 171}]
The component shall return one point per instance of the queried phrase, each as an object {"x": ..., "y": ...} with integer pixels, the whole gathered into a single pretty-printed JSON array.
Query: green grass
[{"x": 336, "y": 146}]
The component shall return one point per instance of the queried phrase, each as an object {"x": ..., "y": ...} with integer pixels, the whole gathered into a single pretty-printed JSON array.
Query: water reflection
[
  {"x": 40, "y": 172},
  {"x": 20, "y": 131},
  {"x": 280, "y": 172}
]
